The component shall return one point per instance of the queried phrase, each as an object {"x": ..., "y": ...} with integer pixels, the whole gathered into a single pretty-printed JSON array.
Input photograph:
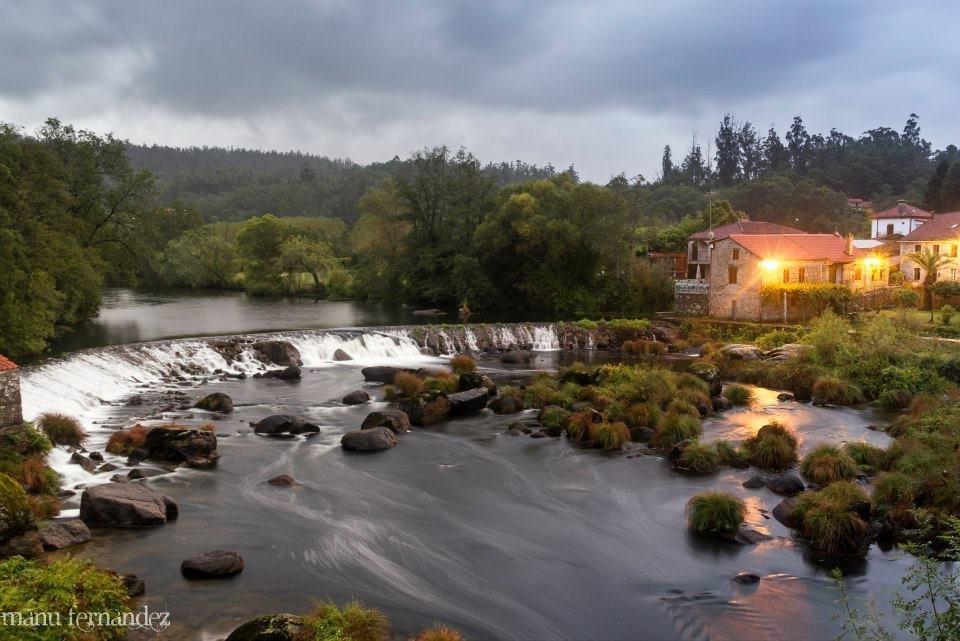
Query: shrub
[
  {"x": 390, "y": 393},
  {"x": 461, "y": 364},
  {"x": 689, "y": 382},
  {"x": 738, "y": 394},
  {"x": 61, "y": 429},
  {"x": 586, "y": 323},
  {"x": 831, "y": 518},
  {"x": 442, "y": 382},
  {"x": 715, "y": 512},
  {"x": 675, "y": 428},
  {"x": 641, "y": 347},
  {"x": 836, "y": 391},
  {"x": 554, "y": 417},
  {"x": 439, "y": 633},
  {"x": 643, "y": 414},
  {"x": 727, "y": 454},
  {"x": 947, "y": 313},
  {"x": 353, "y": 622},
  {"x": 699, "y": 458},
  {"x": 869, "y": 457},
  {"x": 830, "y": 337},
  {"x": 32, "y": 471},
  {"x": 827, "y": 463},
  {"x": 125, "y": 441},
  {"x": 610, "y": 436},
  {"x": 892, "y": 491},
  {"x": 680, "y": 406},
  {"x": 773, "y": 447},
  {"x": 62, "y": 585},
  {"x": 16, "y": 515},
  {"x": 777, "y": 337},
  {"x": 580, "y": 425},
  {"x": 409, "y": 384}
]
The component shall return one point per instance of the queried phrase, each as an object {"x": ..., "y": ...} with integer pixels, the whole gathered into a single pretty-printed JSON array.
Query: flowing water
[{"x": 504, "y": 537}]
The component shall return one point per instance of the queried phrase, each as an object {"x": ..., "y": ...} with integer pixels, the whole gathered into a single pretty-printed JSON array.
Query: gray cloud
[{"x": 333, "y": 77}]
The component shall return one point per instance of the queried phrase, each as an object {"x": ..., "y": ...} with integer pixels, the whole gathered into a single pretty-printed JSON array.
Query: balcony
[{"x": 691, "y": 286}]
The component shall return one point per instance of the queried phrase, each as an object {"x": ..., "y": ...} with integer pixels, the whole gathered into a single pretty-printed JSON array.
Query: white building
[
  {"x": 941, "y": 235},
  {"x": 899, "y": 220}
]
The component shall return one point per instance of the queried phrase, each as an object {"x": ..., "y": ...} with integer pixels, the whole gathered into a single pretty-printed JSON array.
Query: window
[
  {"x": 889, "y": 229},
  {"x": 936, "y": 249},
  {"x": 786, "y": 275},
  {"x": 694, "y": 252},
  {"x": 732, "y": 275},
  {"x": 801, "y": 274},
  {"x": 916, "y": 273},
  {"x": 858, "y": 272},
  {"x": 736, "y": 254},
  {"x": 916, "y": 248}
]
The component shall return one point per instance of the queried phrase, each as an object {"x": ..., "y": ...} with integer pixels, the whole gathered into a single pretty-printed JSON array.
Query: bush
[
  {"x": 836, "y": 391},
  {"x": 715, "y": 512},
  {"x": 16, "y": 515},
  {"x": 61, "y": 429},
  {"x": 580, "y": 424},
  {"x": 33, "y": 472},
  {"x": 680, "y": 406},
  {"x": 554, "y": 417},
  {"x": 777, "y": 337},
  {"x": 62, "y": 585},
  {"x": 461, "y": 364},
  {"x": 869, "y": 457},
  {"x": 738, "y": 394},
  {"x": 947, "y": 313},
  {"x": 830, "y": 337},
  {"x": 699, "y": 458},
  {"x": 675, "y": 428},
  {"x": 409, "y": 384},
  {"x": 727, "y": 454},
  {"x": 125, "y": 441},
  {"x": 354, "y": 622},
  {"x": 642, "y": 347},
  {"x": 442, "y": 382},
  {"x": 831, "y": 518},
  {"x": 828, "y": 463},
  {"x": 643, "y": 414},
  {"x": 610, "y": 436},
  {"x": 773, "y": 447},
  {"x": 586, "y": 323},
  {"x": 439, "y": 633},
  {"x": 892, "y": 491}
]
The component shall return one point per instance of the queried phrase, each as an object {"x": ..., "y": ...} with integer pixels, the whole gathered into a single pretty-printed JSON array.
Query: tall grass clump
[
  {"x": 680, "y": 406},
  {"x": 834, "y": 519},
  {"x": 738, "y": 394},
  {"x": 773, "y": 447},
  {"x": 675, "y": 428},
  {"x": 125, "y": 441},
  {"x": 641, "y": 347},
  {"x": 869, "y": 458},
  {"x": 580, "y": 425},
  {"x": 352, "y": 622},
  {"x": 61, "y": 429},
  {"x": 439, "y": 633},
  {"x": 827, "y": 463},
  {"x": 829, "y": 335},
  {"x": 553, "y": 416},
  {"x": 727, "y": 454},
  {"x": 442, "y": 382},
  {"x": 893, "y": 491},
  {"x": 461, "y": 364},
  {"x": 836, "y": 391},
  {"x": 699, "y": 458},
  {"x": 16, "y": 515},
  {"x": 610, "y": 436},
  {"x": 409, "y": 384},
  {"x": 715, "y": 512}
]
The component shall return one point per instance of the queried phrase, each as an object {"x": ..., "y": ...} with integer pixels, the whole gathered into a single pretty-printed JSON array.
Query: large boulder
[
  {"x": 373, "y": 439},
  {"x": 126, "y": 505},
  {"x": 289, "y": 373},
  {"x": 358, "y": 397},
  {"x": 212, "y": 565},
  {"x": 665, "y": 334},
  {"x": 284, "y": 424},
  {"x": 787, "y": 352},
  {"x": 427, "y": 408},
  {"x": 341, "y": 355},
  {"x": 61, "y": 534},
  {"x": 468, "y": 402},
  {"x": 785, "y": 484},
  {"x": 396, "y": 420},
  {"x": 473, "y": 380},
  {"x": 741, "y": 352},
  {"x": 506, "y": 404},
  {"x": 179, "y": 444},
  {"x": 87, "y": 464},
  {"x": 517, "y": 357},
  {"x": 29, "y": 545},
  {"x": 785, "y": 512},
  {"x": 216, "y": 402},
  {"x": 277, "y": 352},
  {"x": 381, "y": 373},
  {"x": 271, "y": 627}
]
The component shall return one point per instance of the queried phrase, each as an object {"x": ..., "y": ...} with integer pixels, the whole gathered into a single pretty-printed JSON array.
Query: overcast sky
[{"x": 601, "y": 85}]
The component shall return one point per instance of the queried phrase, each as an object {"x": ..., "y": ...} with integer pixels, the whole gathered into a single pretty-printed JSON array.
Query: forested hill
[{"x": 236, "y": 184}]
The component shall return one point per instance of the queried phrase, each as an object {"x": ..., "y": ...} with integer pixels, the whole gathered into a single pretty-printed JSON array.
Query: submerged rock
[
  {"x": 396, "y": 420},
  {"x": 126, "y": 505},
  {"x": 134, "y": 585},
  {"x": 517, "y": 357},
  {"x": 178, "y": 444},
  {"x": 746, "y": 578},
  {"x": 271, "y": 627},
  {"x": 468, "y": 402},
  {"x": 212, "y": 565},
  {"x": 289, "y": 373},
  {"x": 373, "y": 439},
  {"x": 341, "y": 355},
  {"x": 277, "y": 352},
  {"x": 216, "y": 402},
  {"x": 359, "y": 397},
  {"x": 785, "y": 484},
  {"x": 506, "y": 404},
  {"x": 785, "y": 511},
  {"x": 284, "y": 480},
  {"x": 755, "y": 482},
  {"x": 428, "y": 408},
  {"x": 284, "y": 424}
]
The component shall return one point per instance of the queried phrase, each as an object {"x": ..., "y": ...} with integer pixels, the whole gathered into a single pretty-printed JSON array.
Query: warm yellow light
[
  {"x": 871, "y": 261},
  {"x": 769, "y": 265}
]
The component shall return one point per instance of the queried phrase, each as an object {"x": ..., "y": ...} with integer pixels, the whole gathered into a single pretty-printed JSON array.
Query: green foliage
[
  {"x": 869, "y": 458},
  {"x": 352, "y": 622},
  {"x": 62, "y": 585},
  {"x": 610, "y": 436},
  {"x": 461, "y": 364},
  {"x": 409, "y": 384},
  {"x": 738, "y": 394},
  {"x": 699, "y": 458},
  {"x": 777, "y": 337},
  {"x": 773, "y": 447},
  {"x": 674, "y": 428},
  {"x": 644, "y": 348},
  {"x": 442, "y": 382},
  {"x": 827, "y": 463},
  {"x": 16, "y": 516},
  {"x": 831, "y": 518},
  {"x": 586, "y": 323},
  {"x": 829, "y": 335},
  {"x": 715, "y": 512},
  {"x": 905, "y": 297},
  {"x": 61, "y": 429},
  {"x": 813, "y": 296},
  {"x": 554, "y": 417},
  {"x": 893, "y": 491},
  {"x": 947, "y": 313},
  {"x": 835, "y": 390},
  {"x": 200, "y": 258}
]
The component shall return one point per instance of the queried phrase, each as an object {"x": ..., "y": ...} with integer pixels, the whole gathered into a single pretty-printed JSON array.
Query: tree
[
  {"x": 299, "y": 254},
  {"x": 798, "y": 145},
  {"x": 199, "y": 258},
  {"x": 933, "y": 196},
  {"x": 776, "y": 158},
  {"x": 950, "y": 192},
  {"x": 694, "y": 167},
  {"x": 728, "y": 152},
  {"x": 931, "y": 263},
  {"x": 751, "y": 151},
  {"x": 667, "y": 168}
]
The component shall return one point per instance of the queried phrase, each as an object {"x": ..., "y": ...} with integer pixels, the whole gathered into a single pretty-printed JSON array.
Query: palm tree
[{"x": 929, "y": 262}]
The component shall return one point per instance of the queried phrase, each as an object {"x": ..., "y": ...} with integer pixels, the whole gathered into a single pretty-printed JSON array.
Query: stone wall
[
  {"x": 692, "y": 304},
  {"x": 11, "y": 413}
]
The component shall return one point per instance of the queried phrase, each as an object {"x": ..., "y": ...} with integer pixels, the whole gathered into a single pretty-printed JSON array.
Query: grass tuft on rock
[
  {"x": 836, "y": 391},
  {"x": 461, "y": 364},
  {"x": 409, "y": 384},
  {"x": 699, "y": 458},
  {"x": 715, "y": 512},
  {"x": 125, "y": 441},
  {"x": 61, "y": 429},
  {"x": 827, "y": 463},
  {"x": 834, "y": 519},
  {"x": 610, "y": 436},
  {"x": 439, "y": 633},
  {"x": 442, "y": 382},
  {"x": 773, "y": 447},
  {"x": 675, "y": 428},
  {"x": 352, "y": 622},
  {"x": 893, "y": 491},
  {"x": 869, "y": 457},
  {"x": 738, "y": 394}
]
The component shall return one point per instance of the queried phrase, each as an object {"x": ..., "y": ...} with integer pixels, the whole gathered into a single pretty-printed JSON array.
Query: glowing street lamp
[{"x": 769, "y": 264}]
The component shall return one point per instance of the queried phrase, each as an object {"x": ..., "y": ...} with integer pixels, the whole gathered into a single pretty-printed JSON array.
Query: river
[{"x": 504, "y": 537}]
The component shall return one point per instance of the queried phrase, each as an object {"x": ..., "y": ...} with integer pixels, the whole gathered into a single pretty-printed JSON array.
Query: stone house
[
  {"x": 898, "y": 220},
  {"x": 698, "y": 244},
  {"x": 743, "y": 264},
  {"x": 11, "y": 411},
  {"x": 940, "y": 235}
]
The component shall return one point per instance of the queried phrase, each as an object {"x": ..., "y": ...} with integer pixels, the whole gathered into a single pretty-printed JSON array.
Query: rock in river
[
  {"x": 277, "y": 352},
  {"x": 358, "y": 397},
  {"x": 785, "y": 484},
  {"x": 740, "y": 352},
  {"x": 471, "y": 380},
  {"x": 428, "y": 408},
  {"x": 341, "y": 355},
  {"x": 517, "y": 356},
  {"x": 468, "y": 402},
  {"x": 179, "y": 444},
  {"x": 216, "y": 402},
  {"x": 284, "y": 424},
  {"x": 506, "y": 404},
  {"x": 126, "y": 505},
  {"x": 270, "y": 627},
  {"x": 785, "y": 510},
  {"x": 396, "y": 420},
  {"x": 382, "y": 373},
  {"x": 369, "y": 440},
  {"x": 212, "y": 565},
  {"x": 61, "y": 534}
]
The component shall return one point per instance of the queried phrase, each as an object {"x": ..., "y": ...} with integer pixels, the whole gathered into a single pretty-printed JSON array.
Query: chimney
[
  {"x": 850, "y": 244},
  {"x": 901, "y": 206}
]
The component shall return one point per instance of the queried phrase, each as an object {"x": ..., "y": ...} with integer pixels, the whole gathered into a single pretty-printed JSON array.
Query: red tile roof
[
  {"x": 745, "y": 227},
  {"x": 6, "y": 364},
  {"x": 798, "y": 247},
  {"x": 902, "y": 210},
  {"x": 941, "y": 227}
]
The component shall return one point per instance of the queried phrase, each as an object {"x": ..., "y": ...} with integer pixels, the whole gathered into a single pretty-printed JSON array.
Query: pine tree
[
  {"x": 751, "y": 151},
  {"x": 775, "y": 155},
  {"x": 798, "y": 144},
  {"x": 667, "y": 170},
  {"x": 728, "y": 152},
  {"x": 694, "y": 168}
]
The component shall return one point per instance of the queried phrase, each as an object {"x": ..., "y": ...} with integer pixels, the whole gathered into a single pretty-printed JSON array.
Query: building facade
[
  {"x": 940, "y": 235},
  {"x": 899, "y": 220},
  {"x": 11, "y": 410},
  {"x": 699, "y": 244}
]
